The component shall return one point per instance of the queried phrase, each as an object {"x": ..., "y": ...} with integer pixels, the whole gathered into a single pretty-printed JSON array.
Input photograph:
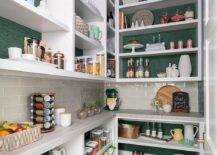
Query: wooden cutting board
[{"x": 165, "y": 94}]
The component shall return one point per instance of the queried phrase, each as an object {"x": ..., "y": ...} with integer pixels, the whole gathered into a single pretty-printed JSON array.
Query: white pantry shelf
[
  {"x": 87, "y": 11},
  {"x": 86, "y": 43},
  {"x": 63, "y": 135},
  {"x": 111, "y": 53},
  {"x": 17, "y": 68},
  {"x": 176, "y": 79},
  {"x": 110, "y": 30},
  {"x": 23, "y": 13},
  {"x": 150, "y": 115},
  {"x": 164, "y": 52},
  {"x": 166, "y": 145},
  {"x": 153, "y": 4},
  {"x": 111, "y": 5},
  {"x": 160, "y": 28}
]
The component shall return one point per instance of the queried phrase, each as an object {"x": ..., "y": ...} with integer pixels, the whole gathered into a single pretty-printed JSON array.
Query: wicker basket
[
  {"x": 81, "y": 26},
  {"x": 19, "y": 139},
  {"x": 128, "y": 131}
]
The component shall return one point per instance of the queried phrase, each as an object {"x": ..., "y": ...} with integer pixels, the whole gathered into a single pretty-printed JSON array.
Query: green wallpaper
[{"x": 12, "y": 35}]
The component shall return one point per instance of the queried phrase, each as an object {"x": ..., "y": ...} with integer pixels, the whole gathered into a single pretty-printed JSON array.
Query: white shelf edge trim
[
  {"x": 169, "y": 145},
  {"x": 164, "y": 52},
  {"x": 43, "y": 22},
  {"x": 160, "y": 26}
]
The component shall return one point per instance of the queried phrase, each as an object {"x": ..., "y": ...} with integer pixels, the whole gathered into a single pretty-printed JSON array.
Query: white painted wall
[{"x": 211, "y": 73}]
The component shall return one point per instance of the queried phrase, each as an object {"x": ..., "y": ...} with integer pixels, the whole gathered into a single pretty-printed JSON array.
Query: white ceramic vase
[{"x": 185, "y": 67}]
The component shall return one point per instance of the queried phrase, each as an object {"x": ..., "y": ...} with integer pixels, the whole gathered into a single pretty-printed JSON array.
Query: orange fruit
[{"x": 4, "y": 133}]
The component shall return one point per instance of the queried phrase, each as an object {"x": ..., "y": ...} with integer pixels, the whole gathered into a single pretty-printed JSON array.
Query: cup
[
  {"x": 65, "y": 119},
  {"x": 14, "y": 52},
  {"x": 58, "y": 111}
]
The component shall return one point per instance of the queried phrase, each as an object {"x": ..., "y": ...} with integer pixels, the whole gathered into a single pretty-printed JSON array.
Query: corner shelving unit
[{"x": 175, "y": 28}]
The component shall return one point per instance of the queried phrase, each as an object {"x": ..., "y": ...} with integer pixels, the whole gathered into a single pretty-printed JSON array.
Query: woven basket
[
  {"x": 19, "y": 139},
  {"x": 81, "y": 26},
  {"x": 128, "y": 131}
]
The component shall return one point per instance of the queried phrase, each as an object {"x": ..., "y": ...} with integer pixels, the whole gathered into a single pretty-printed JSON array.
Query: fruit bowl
[{"x": 15, "y": 135}]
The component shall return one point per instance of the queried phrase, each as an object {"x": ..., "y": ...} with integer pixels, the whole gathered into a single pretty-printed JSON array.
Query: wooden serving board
[{"x": 165, "y": 94}]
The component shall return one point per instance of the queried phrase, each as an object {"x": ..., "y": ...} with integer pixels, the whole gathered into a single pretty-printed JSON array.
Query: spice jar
[{"x": 58, "y": 59}]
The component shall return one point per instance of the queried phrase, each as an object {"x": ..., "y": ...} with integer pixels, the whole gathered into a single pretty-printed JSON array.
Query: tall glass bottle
[
  {"x": 137, "y": 69},
  {"x": 147, "y": 72},
  {"x": 140, "y": 69},
  {"x": 131, "y": 69}
]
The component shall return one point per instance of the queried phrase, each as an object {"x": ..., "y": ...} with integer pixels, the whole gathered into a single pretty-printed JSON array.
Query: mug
[
  {"x": 58, "y": 151},
  {"x": 65, "y": 119},
  {"x": 177, "y": 134},
  {"x": 14, "y": 53}
]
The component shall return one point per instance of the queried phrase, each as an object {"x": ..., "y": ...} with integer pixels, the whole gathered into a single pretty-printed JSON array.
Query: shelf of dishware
[
  {"x": 87, "y": 11},
  {"x": 181, "y": 25},
  {"x": 155, "y": 53},
  {"x": 29, "y": 69},
  {"x": 150, "y": 115},
  {"x": 166, "y": 145},
  {"x": 23, "y": 13},
  {"x": 84, "y": 42},
  {"x": 152, "y": 5},
  {"x": 175, "y": 79}
]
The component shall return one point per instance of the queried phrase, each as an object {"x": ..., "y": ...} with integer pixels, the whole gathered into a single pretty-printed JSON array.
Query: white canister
[
  {"x": 65, "y": 119},
  {"x": 58, "y": 111},
  {"x": 185, "y": 67},
  {"x": 14, "y": 53}
]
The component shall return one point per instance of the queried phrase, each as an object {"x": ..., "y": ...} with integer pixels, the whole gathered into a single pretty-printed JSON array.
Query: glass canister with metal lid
[{"x": 58, "y": 59}]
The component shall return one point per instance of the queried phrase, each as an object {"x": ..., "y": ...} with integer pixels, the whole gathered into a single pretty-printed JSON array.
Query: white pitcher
[
  {"x": 185, "y": 67},
  {"x": 58, "y": 151},
  {"x": 189, "y": 133}
]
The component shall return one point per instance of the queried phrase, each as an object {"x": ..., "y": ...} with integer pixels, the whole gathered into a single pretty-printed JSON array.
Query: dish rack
[{"x": 19, "y": 139}]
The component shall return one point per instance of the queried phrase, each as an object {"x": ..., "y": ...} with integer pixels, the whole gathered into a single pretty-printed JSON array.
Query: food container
[
  {"x": 88, "y": 151},
  {"x": 21, "y": 138},
  {"x": 101, "y": 59},
  {"x": 94, "y": 146},
  {"x": 58, "y": 59},
  {"x": 96, "y": 68},
  {"x": 128, "y": 131},
  {"x": 104, "y": 141}
]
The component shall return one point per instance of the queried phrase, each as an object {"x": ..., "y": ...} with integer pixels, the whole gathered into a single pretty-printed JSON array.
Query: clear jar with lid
[
  {"x": 101, "y": 59},
  {"x": 90, "y": 67},
  {"x": 96, "y": 68},
  {"x": 106, "y": 133},
  {"x": 58, "y": 59}
]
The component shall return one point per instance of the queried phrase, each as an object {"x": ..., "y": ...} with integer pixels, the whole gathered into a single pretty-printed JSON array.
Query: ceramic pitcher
[
  {"x": 185, "y": 67},
  {"x": 58, "y": 151},
  {"x": 189, "y": 133},
  {"x": 177, "y": 134}
]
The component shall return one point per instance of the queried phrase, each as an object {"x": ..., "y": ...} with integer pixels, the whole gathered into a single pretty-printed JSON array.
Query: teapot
[{"x": 189, "y": 133}]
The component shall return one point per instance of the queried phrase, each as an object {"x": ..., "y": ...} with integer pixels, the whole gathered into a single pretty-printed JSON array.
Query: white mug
[
  {"x": 58, "y": 151},
  {"x": 65, "y": 119},
  {"x": 58, "y": 111},
  {"x": 14, "y": 52}
]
